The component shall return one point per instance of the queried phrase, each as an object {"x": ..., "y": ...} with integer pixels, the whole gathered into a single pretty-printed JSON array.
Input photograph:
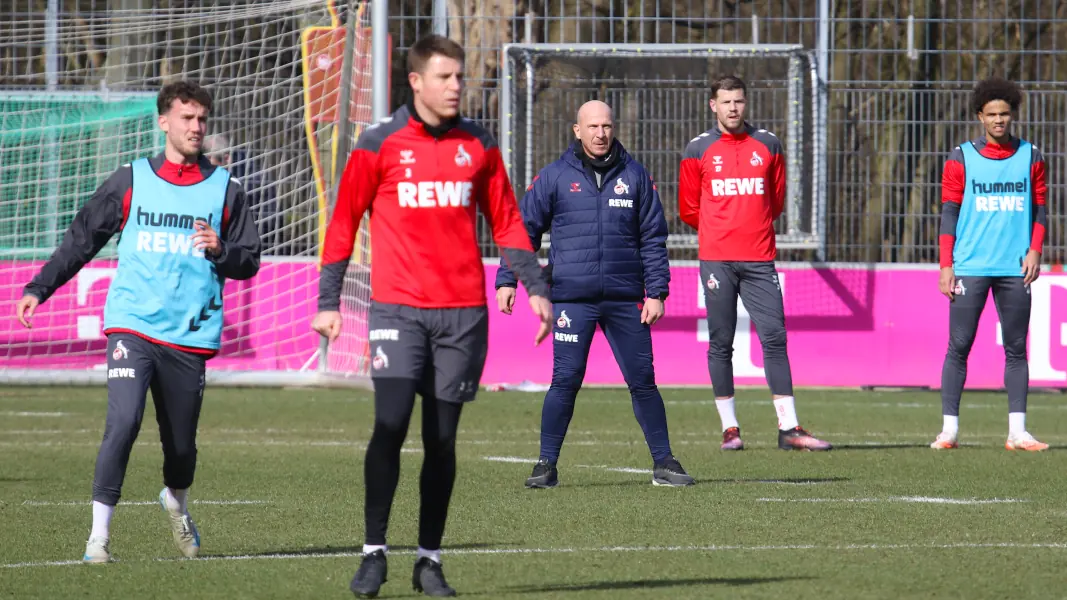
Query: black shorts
[{"x": 442, "y": 348}]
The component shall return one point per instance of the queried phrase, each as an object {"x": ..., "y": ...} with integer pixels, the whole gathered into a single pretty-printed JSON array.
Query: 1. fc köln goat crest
[
  {"x": 381, "y": 359},
  {"x": 621, "y": 187},
  {"x": 462, "y": 158}
]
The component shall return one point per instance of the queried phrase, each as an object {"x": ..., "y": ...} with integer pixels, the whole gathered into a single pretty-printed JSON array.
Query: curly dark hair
[
  {"x": 186, "y": 91},
  {"x": 996, "y": 88}
]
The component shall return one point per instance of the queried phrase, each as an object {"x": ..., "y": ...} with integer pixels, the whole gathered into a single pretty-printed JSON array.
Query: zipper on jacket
[{"x": 599, "y": 229}]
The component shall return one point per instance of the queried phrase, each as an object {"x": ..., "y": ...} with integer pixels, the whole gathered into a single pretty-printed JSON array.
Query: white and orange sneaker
[
  {"x": 1024, "y": 441},
  {"x": 945, "y": 441}
]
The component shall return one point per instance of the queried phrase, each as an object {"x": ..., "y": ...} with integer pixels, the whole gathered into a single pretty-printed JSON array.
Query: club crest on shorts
[
  {"x": 563, "y": 321},
  {"x": 381, "y": 360},
  {"x": 713, "y": 283},
  {"x": 621, "y": 187},
  {"x": 960, "y": 290},
  {"x": 120, "y": 351}
]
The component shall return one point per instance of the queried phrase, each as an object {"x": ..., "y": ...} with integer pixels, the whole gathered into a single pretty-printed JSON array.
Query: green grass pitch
[{"x": 279, "y": 496}]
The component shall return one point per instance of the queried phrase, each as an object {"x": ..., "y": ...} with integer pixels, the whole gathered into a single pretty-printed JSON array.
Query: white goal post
[{"x": 660, "y": 98}]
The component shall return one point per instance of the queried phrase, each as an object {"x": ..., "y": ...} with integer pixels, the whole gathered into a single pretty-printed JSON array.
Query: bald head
[
  {"x": 595, "y": 128},
  {"x": 593, "y": 110}
]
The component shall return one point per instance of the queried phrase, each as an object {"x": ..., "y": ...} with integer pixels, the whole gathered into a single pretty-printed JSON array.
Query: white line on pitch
[
  {"x": 906, "y": 499},
  {"x": 141, "y": 503},
  {"x": 601, "y": 549},
  {"x": 616, "y": 469},
  {"x": 249, "y": 443},
  {"x": 518, "y": 459},
  {"x": 26, "y": 413},
  {"x": 508, "y": 459}
]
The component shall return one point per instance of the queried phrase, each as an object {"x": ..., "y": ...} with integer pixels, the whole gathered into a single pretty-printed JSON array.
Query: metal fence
[
  {"x": 899, "y": 75},
  {"x": 899, "y": 81}
]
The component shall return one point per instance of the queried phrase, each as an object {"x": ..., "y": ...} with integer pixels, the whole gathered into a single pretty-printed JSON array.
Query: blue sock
[
  {"x": 555, "y": 418},
  {"x": 650, "y": 413}
]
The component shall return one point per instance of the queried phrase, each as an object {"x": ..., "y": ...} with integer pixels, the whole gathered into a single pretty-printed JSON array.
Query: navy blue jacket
[{"x": 608, "y": 243}]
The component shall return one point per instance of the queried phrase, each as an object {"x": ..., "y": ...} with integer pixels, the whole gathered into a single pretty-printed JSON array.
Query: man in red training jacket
[
  {"x": 731, "y": 189},
  {"x": 421, "y": 173}
]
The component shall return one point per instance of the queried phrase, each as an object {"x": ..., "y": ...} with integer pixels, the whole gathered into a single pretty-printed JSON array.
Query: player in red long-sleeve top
[
  {"x": 421, "y": 173},
  {"x": 731, "y": 188}
]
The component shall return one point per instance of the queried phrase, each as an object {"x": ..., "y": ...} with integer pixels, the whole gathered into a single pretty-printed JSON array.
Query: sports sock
[
  {"x": 787, "y": 413},
  {"x": 1016, "y": 423},
  {"x": 951, "y": 425},
  {"x": 176, "y": 500},
  {"x": 434, "y": 555},
  {"x": 372, "y": 548},
  {"x": 101, "y": 519},
  {"x": 726, "y": 412}
]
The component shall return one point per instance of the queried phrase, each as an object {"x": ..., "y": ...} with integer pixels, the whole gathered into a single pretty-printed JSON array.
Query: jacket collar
[
  {"x": 437, "y": 131},
  {"x": 570, "y": 157}
]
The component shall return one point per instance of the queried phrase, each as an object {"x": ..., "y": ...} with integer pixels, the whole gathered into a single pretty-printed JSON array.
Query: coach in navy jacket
[
  {"x": 609, "y": 266},
  {"x": 607, "y": 243}
]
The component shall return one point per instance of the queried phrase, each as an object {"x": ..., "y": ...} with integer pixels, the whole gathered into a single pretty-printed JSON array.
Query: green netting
[{"x": 55, "y": 150}]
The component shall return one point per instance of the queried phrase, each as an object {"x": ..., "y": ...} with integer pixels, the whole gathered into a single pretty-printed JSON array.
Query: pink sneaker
[
  {"x": 731, "y": 439},
  {"x": 798, "y": 439}
]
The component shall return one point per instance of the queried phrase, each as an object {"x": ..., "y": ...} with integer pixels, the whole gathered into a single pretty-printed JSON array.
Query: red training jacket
[
  {"x": 422, "y": 192},
  {"x": 731, "y": 188}
]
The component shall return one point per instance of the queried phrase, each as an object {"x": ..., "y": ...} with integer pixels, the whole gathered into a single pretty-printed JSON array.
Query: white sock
[
  {"x": 726, "y": 412},
  {"x": 1016, "y": 423},
  {"x": 952, "y": 425},
  {"x": 176, "y": 500},
  {"x": 787, "y": 413},
  {"x": 434, "y": 555},
  {"x": 101, "y": 520},
  {"x": 369, "y": 549}
]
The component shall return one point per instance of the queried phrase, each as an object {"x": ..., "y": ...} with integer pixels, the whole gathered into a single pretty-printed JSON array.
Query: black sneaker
[
  {"x": 799, "y": 439},
  {"x": 429, "y": 579},
  {"x": 370, "y": 576},
  {"x": 544, "y": 475},
  {"x": 670, "y": 472}
]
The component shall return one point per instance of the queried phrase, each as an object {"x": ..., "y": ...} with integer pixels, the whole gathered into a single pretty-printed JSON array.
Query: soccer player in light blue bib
[
  {"x": 993, "y": 224},
  {"x": 185, "y": 228}
]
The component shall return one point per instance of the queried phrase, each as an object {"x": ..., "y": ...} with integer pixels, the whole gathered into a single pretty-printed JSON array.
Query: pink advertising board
[
  {"x": 266, "y": 319},
  {"x": 848, "y": 326}
]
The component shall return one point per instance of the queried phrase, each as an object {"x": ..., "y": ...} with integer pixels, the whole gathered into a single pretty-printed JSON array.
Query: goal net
[
  {"x": 659, "y": 94},
  {"x": 77, "y": 100}
]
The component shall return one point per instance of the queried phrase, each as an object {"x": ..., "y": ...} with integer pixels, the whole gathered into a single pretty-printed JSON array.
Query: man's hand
[
  {"x": 947, "y": 283},
  {"x": 1031, "y": 267},
  {"x": 652, "y": 311},
  {"x": 206, "y": 239},
  {"x": 505, "y": 299},
  {"x": 24, "y": 309},
  {"x": 543, "y": 309},
  {"x": 328, "y": 324}
]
